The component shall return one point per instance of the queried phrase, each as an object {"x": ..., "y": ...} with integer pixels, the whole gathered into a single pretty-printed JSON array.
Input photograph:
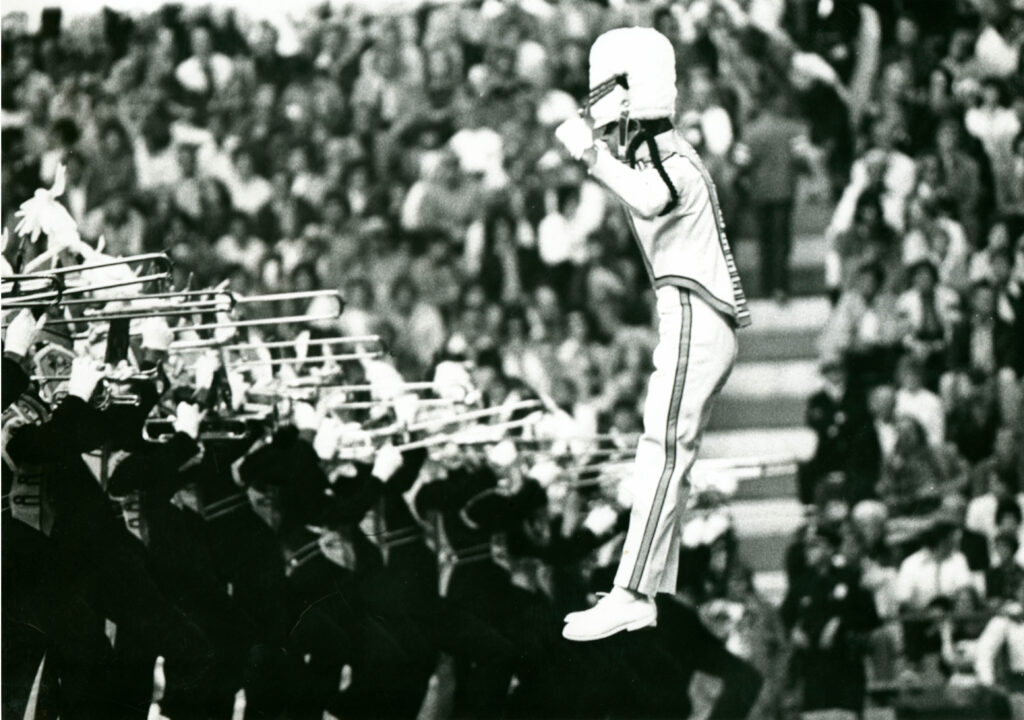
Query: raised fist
[
  {"x": 86, "y": 374},
  {"x": 186, "y": 419},
  {"x": 387, "y": 462},
  {"x": 156, "y": 334},
  {"x": 22, "y": 333}
]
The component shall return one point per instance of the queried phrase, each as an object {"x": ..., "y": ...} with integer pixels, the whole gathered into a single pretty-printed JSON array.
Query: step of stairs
[
  {"x": 806, "y": 270},
  {"x": 765, "y": 529},
  {"x": 761, "y": 443},
  {"x": 797, "y": 441},
  {"x": 783, "y": 332},
  {"x": 772, "y": 379},
  {"x": 736, "y": 412}
]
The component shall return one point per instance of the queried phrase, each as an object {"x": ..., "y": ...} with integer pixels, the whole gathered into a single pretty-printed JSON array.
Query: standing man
[
  {"x": 779, "y": 151},
  {"x": 629, "y": 145}
]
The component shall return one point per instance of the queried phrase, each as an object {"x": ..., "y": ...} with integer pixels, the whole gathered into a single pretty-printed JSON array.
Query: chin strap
[{"x": 650, "y": 129}]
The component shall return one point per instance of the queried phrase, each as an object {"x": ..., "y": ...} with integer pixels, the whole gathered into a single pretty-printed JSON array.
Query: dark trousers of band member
[{"x": 695, "y": 353}]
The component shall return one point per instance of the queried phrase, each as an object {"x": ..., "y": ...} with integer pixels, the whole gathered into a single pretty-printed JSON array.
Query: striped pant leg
[{"x": 695, "y": 353}]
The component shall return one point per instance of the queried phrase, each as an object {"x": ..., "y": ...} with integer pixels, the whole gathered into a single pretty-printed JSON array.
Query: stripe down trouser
[{"x": 695, "y": 353}]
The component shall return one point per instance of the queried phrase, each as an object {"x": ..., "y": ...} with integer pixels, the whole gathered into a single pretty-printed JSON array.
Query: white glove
[
  {"x": 156, "y": 334},
  {"x": 601, "y": 520},
  {"x": 223, "y": 334},
  {"x": 306, "y": 417},
  {"x": 387, "y": 462},
  {"x": 577, "y": 135},
  {"x": 22, "y": 332},
  {"x": 206, "y": 367},
  {"x": 86, "y": 374},
  {"x": 302, "y": 345},
  {"x": 502, "y": 455},
  {"x": 186, "y": 419},
  {"x": 328, "y": 437}
]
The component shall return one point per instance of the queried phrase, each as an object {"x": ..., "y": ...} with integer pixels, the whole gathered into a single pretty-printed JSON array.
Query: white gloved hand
[
  {"x": 387, "y": 462},
  {"x": 156, "y": 334},
  {"x": 223, "y": 334},
  {"x": 601, "y": 520},
  {"x": 306, "y": 417},
  {"x": 206, "y": 367},
  {"x": 186, "y": 419},
  {"x": 328, "y": 437},
  {"x": 577, "y": 135},
  {"x": 86, "y": 374},
  {"x": 22, "y": 332},
  {"x": 302, "y": 345}
]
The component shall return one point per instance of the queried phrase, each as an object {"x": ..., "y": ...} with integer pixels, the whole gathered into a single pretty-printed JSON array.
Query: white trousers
[{"x": 695, "y": 354}]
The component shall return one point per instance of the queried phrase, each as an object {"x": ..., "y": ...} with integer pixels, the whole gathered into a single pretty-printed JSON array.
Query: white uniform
[{"x": 700, "y": 304}]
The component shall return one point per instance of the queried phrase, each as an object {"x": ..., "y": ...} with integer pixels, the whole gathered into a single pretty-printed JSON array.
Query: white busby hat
[{"x": 632, "y": 73}]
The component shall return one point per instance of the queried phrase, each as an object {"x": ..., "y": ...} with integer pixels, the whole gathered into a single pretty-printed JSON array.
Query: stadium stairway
[{"x": 760, "y": 414}]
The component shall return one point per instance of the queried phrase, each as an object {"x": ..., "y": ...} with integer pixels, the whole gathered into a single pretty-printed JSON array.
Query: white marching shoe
[{"x": 617, "y": 611}]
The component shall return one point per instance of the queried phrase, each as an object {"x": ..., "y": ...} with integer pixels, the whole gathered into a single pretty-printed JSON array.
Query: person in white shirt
[
  {"x": 206, "y": 71},
  {"x": 917, "y": 401},
  {"x": 996, "y": 126},
  {"x": 1004, "y": 636},
  {"x": 937, "y": 570},
  {"x": 982, "y": 510},
  {"x": 249, "y": 191}
]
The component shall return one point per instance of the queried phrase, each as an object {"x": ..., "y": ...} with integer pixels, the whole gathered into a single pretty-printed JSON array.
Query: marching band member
[{"x": 629, "y": 145}]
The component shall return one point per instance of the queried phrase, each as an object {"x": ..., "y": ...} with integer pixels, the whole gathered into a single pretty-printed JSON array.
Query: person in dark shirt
[
  {"x": 828, "y": 614},
  {"x": 1005, "y": 580}
]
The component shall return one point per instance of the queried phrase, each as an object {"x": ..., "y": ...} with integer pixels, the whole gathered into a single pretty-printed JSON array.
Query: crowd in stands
[
  {"x": 407, "y": 159},
  {"x": 918, "y": 467}
]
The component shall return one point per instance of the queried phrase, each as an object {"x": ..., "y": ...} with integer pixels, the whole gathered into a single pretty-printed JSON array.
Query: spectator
[
  {"x": 868, "y": 239},
  {"x": 983, "y": 512},
  {"x": 249, "y": 192},
  {"x": 1005, "y": 579},
  {"x": 982, "y": 344},
  {"x": 827, "y": 613},
  {"x": 205, "y": 72},
  {"x": 778, "y": 154},
  {"x": 418, "y": 325},
  {"x": 937, "y": 570},
  {"x": 974, "y": 421},
  {"x": 962, "y": 177},
  {"x": 1005, "y": 462},
  {"x": 864, "y": 328},
  {"x": 121, "y": 226},
  {"x": 1004, "y": 633},
  {"x": 915, "y": 476},
  {"x": 118, "y": 166},
  {"x": 834, "y": 414},
  {"x": 974, "y": 545},
  {"x": 930, "y": 311},
  {"x": 914, "y": 400},
  {"x": 996, "y": 126}
]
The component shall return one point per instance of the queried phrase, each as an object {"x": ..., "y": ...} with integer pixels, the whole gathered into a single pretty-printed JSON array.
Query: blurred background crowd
[{"x": 407, "y": 159}]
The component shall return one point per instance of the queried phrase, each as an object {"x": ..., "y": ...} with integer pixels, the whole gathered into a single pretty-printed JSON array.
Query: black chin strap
[{"x": 650, "y": 129}]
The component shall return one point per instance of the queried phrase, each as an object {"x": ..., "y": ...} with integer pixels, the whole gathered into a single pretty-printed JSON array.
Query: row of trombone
[{"x": 307, "y": 370}]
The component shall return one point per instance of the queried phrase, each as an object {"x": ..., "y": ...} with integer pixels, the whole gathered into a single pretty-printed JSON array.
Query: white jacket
[{"x": 683, "y": 242}]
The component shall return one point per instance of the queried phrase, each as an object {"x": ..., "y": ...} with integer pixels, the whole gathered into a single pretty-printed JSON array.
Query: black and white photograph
[{"x": 512, "y": 359}]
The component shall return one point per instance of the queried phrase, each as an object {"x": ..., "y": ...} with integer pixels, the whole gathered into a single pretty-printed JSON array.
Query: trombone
[
  {"x": 184, "y": 346},
  {"x": 444, "y": 420},
  {"x": 311, "y": 359},
  {"x": 200, "y": 306},
  {"x": 50, "y": 296},
  {"x": 473, "y": 435},
  {"x": 158, "y": 258},
  {"x": 67, "y": 288}
]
